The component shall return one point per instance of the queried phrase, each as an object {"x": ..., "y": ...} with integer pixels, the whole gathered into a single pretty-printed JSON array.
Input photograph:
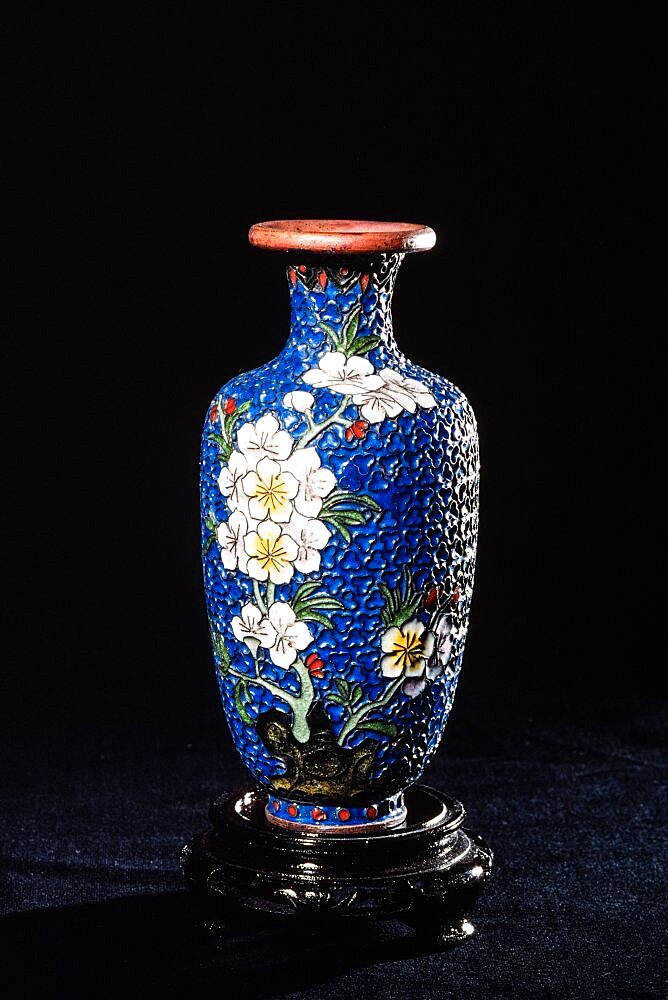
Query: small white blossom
[
  {"x": 299, "y": 400},
  {"x": 229, "y": 480},
  {"x": 271, "y": 553},
  {"x": 407, "y": 651},
  {"x": 341, "y": 374},
  {"x": 230, "y": 535},
  {"x": 264, "y": 439},
  {"x": 291, "y": 635},
  {"x": 394, "y": 394},
  {"x": 315, "y": 483},
  {"x": 270, "y": 490},
  {"x": 311, "y": 536},
  {"x": 253, "y": 628}
]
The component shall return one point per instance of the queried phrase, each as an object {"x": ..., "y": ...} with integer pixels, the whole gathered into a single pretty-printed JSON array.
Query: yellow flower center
[
  {"x": 271, "y": 494},
  {"x": 407, "y": 649},
  {"x": 270, "y": 554}
]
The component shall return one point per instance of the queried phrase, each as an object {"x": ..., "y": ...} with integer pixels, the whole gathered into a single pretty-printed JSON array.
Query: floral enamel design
[{"x": 284, "y": 508}]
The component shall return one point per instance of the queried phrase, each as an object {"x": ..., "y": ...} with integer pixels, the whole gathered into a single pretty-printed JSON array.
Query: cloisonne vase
[{"x": 339, "y": 502}]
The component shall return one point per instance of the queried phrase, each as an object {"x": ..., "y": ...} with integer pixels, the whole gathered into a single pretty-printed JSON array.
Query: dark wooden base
[{"x": 245, "y": 872}]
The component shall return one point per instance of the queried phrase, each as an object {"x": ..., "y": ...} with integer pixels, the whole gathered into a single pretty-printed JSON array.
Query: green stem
[
  {"x": 271, "y": 590},
  {"x": 258, "y": 597},
  {"x": 357, "y": 716},
  {"x": 316, "y": 429},
  {"x": 299, "y": 704},
  {"x": 256, "y": 679}
]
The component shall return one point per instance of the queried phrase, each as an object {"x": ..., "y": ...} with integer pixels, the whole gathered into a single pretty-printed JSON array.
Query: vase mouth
[{"x": 342, "y": 236}]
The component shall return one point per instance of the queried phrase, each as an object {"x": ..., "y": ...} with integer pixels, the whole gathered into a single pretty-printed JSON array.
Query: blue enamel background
[{"x": 421, "y": 468}]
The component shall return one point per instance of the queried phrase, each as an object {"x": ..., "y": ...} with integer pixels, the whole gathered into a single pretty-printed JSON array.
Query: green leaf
[
  {"x": 387, "y": 594},
  {"x": 331, "y": 333},
  {"x": 325, "y": 603},
  {"x": 224, "y": 446},
  {"x": 378, "y": 726},
  {"x": 342, "y": 687},
  {"x": 336, "y": 500},
  {"x": 314, "y": 616},
  {"x": 336, "y": 700},
  {"x": 220, "y": 650},
  {"x": 210, "y": 521},
  {"x": 338, "y": 524},
  {"x": 357, "y": 693},
  {"x": 207, "y": 545},
  {"x": 350, "y": 517},
  {"x": 363, "y": 345},
  {"x": 304, "y": 589},
  {"x": 350, "y": 327},
  {"x": 241, "y": 695},
  {"x": 218, "y": 439},
  {"x": 402, "y": 602}
]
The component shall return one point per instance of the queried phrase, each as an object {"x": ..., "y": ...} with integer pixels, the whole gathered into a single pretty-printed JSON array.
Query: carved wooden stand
[{"x": 429, "y": 873}]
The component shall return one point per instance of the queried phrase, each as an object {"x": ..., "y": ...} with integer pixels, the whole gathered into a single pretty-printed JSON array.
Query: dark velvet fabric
[{"x": 93, "y": 900}]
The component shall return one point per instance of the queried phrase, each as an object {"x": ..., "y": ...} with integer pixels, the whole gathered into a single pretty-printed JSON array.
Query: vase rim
[{"x": 342, "y": 236}]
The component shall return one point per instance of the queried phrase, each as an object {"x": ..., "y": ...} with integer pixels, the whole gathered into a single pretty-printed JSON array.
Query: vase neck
[{"x": 328, "y": 291}]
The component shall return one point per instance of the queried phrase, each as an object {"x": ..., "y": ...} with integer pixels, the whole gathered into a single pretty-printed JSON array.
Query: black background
[{"x": 150, "y": 144}]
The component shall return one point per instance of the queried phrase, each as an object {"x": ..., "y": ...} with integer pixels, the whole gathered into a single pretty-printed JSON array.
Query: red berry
[
  {"x": 344, "y": 815},
  {"x": 292, "y": 810},
  {"x": 276, "y": 805},
  {"x": 230, "y": 405},
  {"x": 292, "y": 275},
  {"x": 344, "y": 272},
  {"x": 371, "y": 812},
  {"x": 431, "y": 599},
  {"x": 322, "y": 280},
  {"x": 349, "y": 434},
  {"x": 456, "y": 596},
  {"x": 213, "y": 414},
  {"x": 364, "y": 281},
  {"x": 318, "y": 814},
  {"x": 302, "y": 268},
  {"x": 358, "y": 431},
  {"x": 315, "y": 665}
]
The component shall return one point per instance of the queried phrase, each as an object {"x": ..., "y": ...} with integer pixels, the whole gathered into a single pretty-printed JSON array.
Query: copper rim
[{"x": 342, "y": 236}]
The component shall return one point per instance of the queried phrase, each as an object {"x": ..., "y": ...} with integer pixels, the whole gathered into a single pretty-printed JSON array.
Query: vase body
[{"x": 339, "y": 502}]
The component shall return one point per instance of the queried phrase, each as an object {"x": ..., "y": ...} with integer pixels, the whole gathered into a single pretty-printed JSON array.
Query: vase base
[
  {"x": 336, "y": 820},
  {"x": 245, "y": 871}
]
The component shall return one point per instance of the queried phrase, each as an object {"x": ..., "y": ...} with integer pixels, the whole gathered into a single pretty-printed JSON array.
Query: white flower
[
  {"x": 271, "y": 552},
  {"x": 378, "y": 404},
  {"x": 291, "y": 635},
  {"x": 311, "y": 536},
  {"x": 314, "y": 481},
  {"x": 394, "y": 394},
  {"x": 264, "y": 439},
  {"x": 230, "y": 536},
  {"x": 229, "y": 480},
  {"x": 341, "y": 374},
  {"x": 270, "y": 490},
  {"x": 253, "y": 628},
  {"x": 299, "y": 400},
  {"x": 443, "y": 644},
  {"x": 408, "y": 388},
  {"x": 444, "y": 636},
  {"x": 407, "y": 650}
]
